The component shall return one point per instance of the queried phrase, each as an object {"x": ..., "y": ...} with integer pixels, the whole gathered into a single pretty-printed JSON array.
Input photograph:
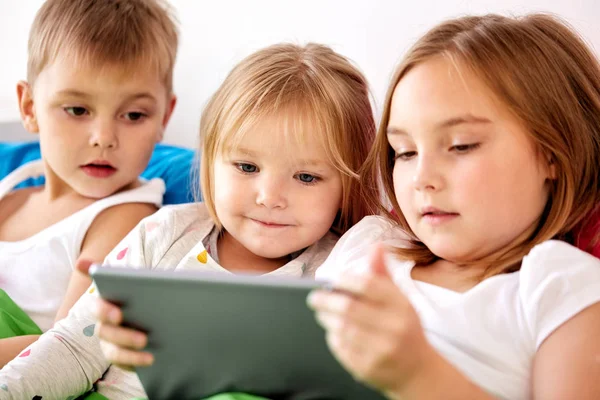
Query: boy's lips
[{"x": 99, "y": 169}]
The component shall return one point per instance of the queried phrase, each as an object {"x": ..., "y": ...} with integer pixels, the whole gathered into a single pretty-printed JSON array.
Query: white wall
[{"x": 216, "y": 34}]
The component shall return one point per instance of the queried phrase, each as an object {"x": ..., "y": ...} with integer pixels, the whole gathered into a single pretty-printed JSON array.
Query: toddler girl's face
[
  {"x": 467, "y": 176},
  {"x": 98, "y": 127},
  {"x": 275, "y": 197}
]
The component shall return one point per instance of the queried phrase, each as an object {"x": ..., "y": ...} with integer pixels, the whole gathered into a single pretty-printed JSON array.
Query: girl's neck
[
  {"x": 234, "y": 257},
  {"x": 448, "y": 275}
]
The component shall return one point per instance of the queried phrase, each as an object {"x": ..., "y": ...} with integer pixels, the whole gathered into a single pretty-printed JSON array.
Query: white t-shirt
[
  {"x": 491, "y": 332},
  {"x": 35, "y": 272}
]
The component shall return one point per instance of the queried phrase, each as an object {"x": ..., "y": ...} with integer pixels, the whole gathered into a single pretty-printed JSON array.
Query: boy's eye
[
  {"x": 135, "y": 116},
  {"x": 75, "y": 111},
  {"x": 307, "y": 178},
  {"x": 247, "y": 168}
]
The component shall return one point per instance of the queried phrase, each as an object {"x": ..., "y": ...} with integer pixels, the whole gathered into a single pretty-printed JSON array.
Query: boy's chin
[{"x": 96, "y": 193}]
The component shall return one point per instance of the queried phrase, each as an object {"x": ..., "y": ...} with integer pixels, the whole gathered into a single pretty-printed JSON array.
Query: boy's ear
[
  {"x": 26, "y": 107},
  {"x": 172, "y": 101}
]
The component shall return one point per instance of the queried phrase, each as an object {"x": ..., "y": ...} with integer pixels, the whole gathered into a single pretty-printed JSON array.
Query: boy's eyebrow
[
  {"x": 144, "y": 95},
  {"x": 84, "y": 95},
  {"x": 449, "y": 123},
  {"x": 73, "y": 93}
]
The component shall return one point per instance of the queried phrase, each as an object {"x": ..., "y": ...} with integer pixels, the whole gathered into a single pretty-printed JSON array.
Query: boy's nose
[{"x": 104, "y": 136}]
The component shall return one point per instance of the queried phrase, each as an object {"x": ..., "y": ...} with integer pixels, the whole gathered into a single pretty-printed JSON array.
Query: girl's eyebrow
[
  {"x": 312, "y": 163},
  {"x": 242, "y": 150},
  {"x": 391, "y": 130},
  {"x": 464, "y": 119},
  {"x": 448, "y": 123}
]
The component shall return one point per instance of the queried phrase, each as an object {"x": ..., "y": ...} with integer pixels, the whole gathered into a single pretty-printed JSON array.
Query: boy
[{"x": 99, "y": 94}]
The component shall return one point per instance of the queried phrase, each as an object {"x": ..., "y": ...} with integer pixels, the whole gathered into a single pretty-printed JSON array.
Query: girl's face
[
  {"x": 274, "y": 197},
  {"x": 467, "y": 176}
]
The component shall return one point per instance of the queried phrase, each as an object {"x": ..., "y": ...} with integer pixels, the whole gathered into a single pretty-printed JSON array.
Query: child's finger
[
  {"x": 83, "y": 266},
  {"x": 351, "y": 311},
  {"x": 377, "y": 264},
  {"x": 126, "y": 358},
  {"x": 370, "y": 287},
  {"x": 344, "y": 305},
  {"x": 121, "y": 336},
  {"x": 108, "y": 313}
]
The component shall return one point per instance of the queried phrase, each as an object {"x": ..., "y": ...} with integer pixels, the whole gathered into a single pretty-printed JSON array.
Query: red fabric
[{"x": 586, "y": 233}]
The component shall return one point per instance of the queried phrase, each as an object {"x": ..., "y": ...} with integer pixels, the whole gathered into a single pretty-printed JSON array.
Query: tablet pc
[{"x": 213, "y": 332}]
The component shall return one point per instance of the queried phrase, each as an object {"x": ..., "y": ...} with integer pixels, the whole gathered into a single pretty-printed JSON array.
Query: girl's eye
[
  {"x": 135, "y": 116},
  {"x": 75, "y": 111},
  {"x": 407, "y": 155},
  {"x": 464, "y": 148},
  {"x": 307, "y": 178},
  {"x": 247, "y": 168}
]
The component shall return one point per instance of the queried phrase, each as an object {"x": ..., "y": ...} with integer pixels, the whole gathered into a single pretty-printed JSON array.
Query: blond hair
[
  {"x": 129, "y": 33},
  {"x": 322, "y": 88},
  {"x": 547, "y": 77}
]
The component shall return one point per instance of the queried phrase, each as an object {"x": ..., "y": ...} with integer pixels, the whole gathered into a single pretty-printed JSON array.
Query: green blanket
[
  {"x": 13, "y": 320},
  {"x": 224, "y": 396}
]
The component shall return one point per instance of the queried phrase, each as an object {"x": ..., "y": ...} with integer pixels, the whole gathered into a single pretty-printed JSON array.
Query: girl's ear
[
  {"x": 26, "y": 107},
  {"x": 551, "y": 168}
]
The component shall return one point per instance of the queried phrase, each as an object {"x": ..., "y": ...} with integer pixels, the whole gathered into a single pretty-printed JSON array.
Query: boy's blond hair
[
  {"x": 132, "y": 34},
  {"x": 546, "y": 75},
  {"x": 313, "y": 91}
]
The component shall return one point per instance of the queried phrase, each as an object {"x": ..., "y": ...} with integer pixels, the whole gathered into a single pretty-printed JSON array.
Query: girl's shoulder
[
  {"x": 554, "y": 259},
  {"x": 352, "y": 248},
  {"x": 181, "y": 218},
  {"x": 556, "y": 281},
  {"x": 373, "y": 229}
]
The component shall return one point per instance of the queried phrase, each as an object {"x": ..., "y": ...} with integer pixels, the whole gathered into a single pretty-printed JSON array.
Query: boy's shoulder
[{"x": 110, "y": 226}]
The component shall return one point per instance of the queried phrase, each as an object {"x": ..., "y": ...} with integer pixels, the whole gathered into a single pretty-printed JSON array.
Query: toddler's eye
[
  {"x": 307, "y": 178},
  {"x": 247, "y": 168}
]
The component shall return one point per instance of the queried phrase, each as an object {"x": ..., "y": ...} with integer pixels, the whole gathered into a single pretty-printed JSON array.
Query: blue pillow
[{"x": 171, "y": 163}]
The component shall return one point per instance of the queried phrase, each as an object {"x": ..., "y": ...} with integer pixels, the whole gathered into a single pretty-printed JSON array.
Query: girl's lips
[
  {"x": 269, "y": 224},
  {"x": 98, "y": 171},
  {"x": 439, "y": 218}
]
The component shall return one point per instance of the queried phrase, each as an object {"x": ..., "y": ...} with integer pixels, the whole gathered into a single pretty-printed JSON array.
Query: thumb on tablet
[{"x": 378, "y": 264}]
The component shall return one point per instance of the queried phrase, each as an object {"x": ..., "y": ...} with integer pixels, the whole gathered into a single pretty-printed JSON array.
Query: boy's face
[{"x": 97, "y": 126}]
